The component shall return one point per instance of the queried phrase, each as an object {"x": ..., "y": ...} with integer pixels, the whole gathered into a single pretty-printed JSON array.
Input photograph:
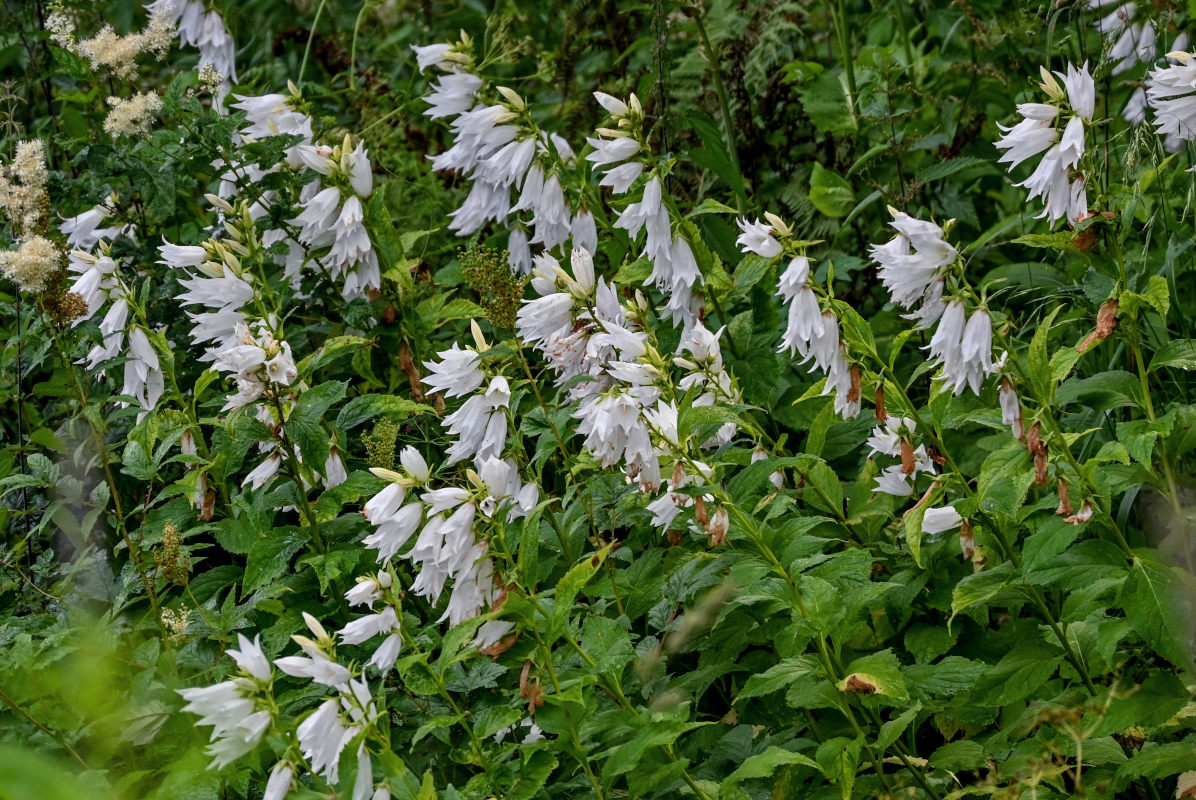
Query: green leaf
[
  {"x": 1158, "y": 761},
  {"x": 1039, "y": 365},
  {"x": 566, "y": 591},
  {"x": 829, "y": 193},
  {"x": 270, "y": 556},
  {"x": 711, "y": 206},
  {"x": 332, "y": 349},
  {"x": 1005, "y": 477},
  {"x": 1156, "y": 296},
  {"x": 137, "y": 462},
  {"x": 1160, "y": 697},
  {"x": 942, "y": 169},
  {"x": 778, "y": 677},
  {"x": 1061, "y": 240},
  {"x": 654, "y": 733},
  {"x": 367, "y": 406},
  {"x": 1154, "y": 605},
  {"x": 763, "y": 765},
  {"x": 892, "y": 730},
  {"x": 822, "y": 602},
  {"x": 958, "y": 756},
  {"x": 912, "y": 526},
  {"x": 1053, "y": 537},
  {"x": 605, "y": 641},
  {"x": 980, "y": 587},
  {"x": 387, "y": 243},
  {"x": 840, "y": 758},
  {"x": 1176, "y": 353},
  {"x": 1016, "y": 676},
  {"x": 946, "y": 678},
  {"x": 825, "y": 101},
  {"x": 304, "y": 426},
  {"x": 533, "y": 774},
  {"x": 750, "y": 271},
  {"x": 875, "y": 673}
]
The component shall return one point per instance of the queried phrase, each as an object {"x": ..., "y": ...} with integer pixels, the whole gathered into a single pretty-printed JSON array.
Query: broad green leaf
[
  {"x": 763, "y": 765},
  {"x": 829, "y": 193},
  {"x": 367, "y": 406},
  {"x": 1016, "y": 676},
  {"x": 840, "y": 758},
  {"x": 779, "y": 676},
  {"x": 1176, "y": 353},
  {"x": 1155, "y": 606},
  {"x": 304, "y": 425},
  {"x": 875, "y": 673}
]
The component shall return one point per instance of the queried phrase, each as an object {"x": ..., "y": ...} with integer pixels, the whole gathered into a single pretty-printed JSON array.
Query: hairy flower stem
[{"x": 724, "y": 108}]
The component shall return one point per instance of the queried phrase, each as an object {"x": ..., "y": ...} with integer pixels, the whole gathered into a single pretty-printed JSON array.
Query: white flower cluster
[
  {"x": 447, "y": 546},
  {"x": 83, "y": 231},
  {"x": 241, "y": 712},
  {"x": 1130, "y": 42},
  {"x": 913, "y": 267},
  {"x": 1056, "y": 178},
  {"x": 479, "y": 426},
  {"x": 332, "y": 214},
  {"x": 204, "y": 30},
  {"x": 256, "y": 361},
  {"x": 234, "y": 708},
  {"x": 1171, "y": 92},
  {"x": 335, "y": 217},
  {"x": 500, "y": 150},
  {"x": 99, "y": 284},
  {"x": 583, "y": 331},
  {"x": 674, "y": 268},
  {"x": 810, "y": 331}
]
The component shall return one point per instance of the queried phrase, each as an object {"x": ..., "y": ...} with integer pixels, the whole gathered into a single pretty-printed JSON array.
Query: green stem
[
  {"x": 724, "y": 107},
  {"x": 839, "y": 18},
  {"x": 310, "y": 36}
]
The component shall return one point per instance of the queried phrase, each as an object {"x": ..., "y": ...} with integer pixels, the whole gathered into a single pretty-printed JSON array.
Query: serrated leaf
[
  {"x": 1154, "y": 605},
  {"x": 367, "y": 406},
  {"x": 763, "y": 765}
]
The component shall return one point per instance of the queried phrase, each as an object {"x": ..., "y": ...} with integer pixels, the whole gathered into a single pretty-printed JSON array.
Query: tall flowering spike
[{"x": 1038, "y": 131}]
